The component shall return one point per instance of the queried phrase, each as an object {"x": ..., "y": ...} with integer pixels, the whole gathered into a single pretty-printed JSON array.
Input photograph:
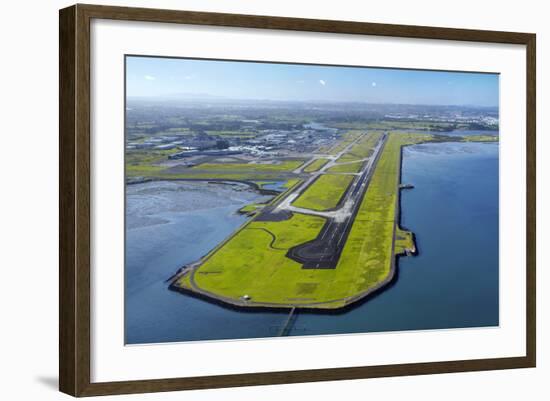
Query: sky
[{"x": 165, "y": 77}]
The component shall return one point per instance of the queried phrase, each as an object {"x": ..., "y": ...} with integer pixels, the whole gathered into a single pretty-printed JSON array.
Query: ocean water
[
  {"x": 466, "y": 132},
  {"x": 457, "y": 132},
  {"x": 451, "y": 283},
  {"x": 169, "y": 224}
]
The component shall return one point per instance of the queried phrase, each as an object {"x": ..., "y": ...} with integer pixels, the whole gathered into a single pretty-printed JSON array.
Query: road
[{"x": 281, "y": 210}]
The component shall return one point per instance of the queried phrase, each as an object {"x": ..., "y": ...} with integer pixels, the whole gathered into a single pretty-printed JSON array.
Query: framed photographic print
[{"x": 250, "y": 200}]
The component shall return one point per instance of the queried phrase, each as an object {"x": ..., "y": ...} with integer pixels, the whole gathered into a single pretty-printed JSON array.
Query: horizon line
[{"x": 216, "y": 98}]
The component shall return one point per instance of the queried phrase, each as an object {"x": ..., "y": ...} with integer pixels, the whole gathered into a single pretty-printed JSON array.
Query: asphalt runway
[{"x": 324, "y": 251}]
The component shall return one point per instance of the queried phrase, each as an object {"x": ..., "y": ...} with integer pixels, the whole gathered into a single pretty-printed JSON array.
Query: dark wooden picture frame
[{"x": 74, "y": 203}]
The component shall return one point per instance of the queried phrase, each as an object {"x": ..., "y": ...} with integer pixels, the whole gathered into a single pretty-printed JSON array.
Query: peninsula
[{"x": 330, "y": 239}]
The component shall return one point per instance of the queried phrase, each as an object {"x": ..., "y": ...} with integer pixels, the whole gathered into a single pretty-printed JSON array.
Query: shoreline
[{"x": 253, "y": 185}]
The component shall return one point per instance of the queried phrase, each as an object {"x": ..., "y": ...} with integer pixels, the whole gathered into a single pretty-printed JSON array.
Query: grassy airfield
[
  {"x": 245, "y": 167},
  {"x": 324, "y": 193},
  {"x": 253, "y": 261},
  {"x": 315, "y": 166},
  {"x": 353, "y": 167}
]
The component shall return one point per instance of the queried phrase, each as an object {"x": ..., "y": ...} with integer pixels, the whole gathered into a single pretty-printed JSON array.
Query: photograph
[
  {"x": 250, "y": 199},
  {"x": 272, "y": 199}
]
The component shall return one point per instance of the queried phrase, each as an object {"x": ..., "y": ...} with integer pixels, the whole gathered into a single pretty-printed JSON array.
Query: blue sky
[{"x": 151, "y": 76}]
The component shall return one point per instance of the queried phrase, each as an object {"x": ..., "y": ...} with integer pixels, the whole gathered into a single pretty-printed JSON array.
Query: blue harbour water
[
  {"x": 457, "y": 132},
  {"x": 169, "y": 224},
  {"x": 451, "y": 283}
]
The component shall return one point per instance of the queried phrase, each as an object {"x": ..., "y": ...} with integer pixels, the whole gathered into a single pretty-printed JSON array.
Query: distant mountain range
[{"x": 209, "y": 98}]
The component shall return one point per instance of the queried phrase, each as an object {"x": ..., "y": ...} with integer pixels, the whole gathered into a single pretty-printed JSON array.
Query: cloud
[
  {"x": 322, "y": 82},
  {"x": 189, "y": 77},
  {"x": 149, "y": 77},
  {"x": 373, "y": 84},
  {"x": 301, "y": 81}
]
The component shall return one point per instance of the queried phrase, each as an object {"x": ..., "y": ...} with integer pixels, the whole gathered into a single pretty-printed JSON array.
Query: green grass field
[
  {"x": 347, "y": 138},
  {"x": 361, "y": 149},
  {"x": 346, "y": 168},
  {"x": 251, "y": 208},
  {"x": 292, "y": 182},
  {"x": 143, "y": 162},
  {"x": 287, "y": 165},
  {"x": 324, "y": 193},
  {"x": 229, "y": 171},
  {"x": 404, "y": 241},
  {"x": 253, "y": 262},
  {"x": 418, "y": 125},
  {"x": 157, "y": 172},
  {"x": 143, "y": 170},
  {"x": 480, "y": 138},
  {"x": 315, "y": 165}
]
